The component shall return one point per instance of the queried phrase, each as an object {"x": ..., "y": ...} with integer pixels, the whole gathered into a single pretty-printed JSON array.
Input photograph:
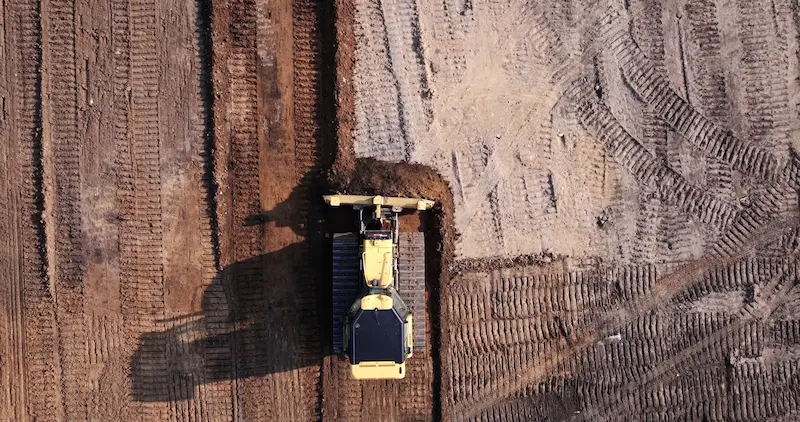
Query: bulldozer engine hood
[{"x": 377, "y": 257}]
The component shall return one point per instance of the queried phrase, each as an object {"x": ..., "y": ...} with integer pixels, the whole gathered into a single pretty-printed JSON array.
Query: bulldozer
[{"x": 378, "y": 287}]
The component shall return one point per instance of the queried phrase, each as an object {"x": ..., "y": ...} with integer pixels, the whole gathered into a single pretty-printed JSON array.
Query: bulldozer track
[
  {"x": 241, "y": 182},
  {"x": 141, "y": 259},
  {"x": 384, "y": 134},
  {"x": 737, "y": 275},
  {"x": 411, "y": 274},
  {"x": 66, "y": 261},
  {"x": 763, "y": 72},
  {"x": 310, "y": 162},
  {"x": 416, "y": 395},
  {"x": 709, "y": 89},
  {"x": 774, "y": 291},
  {"x": 487, "y": 319},
  {"x": 106, "y": 98},
  {"x": 12, "y": 331},
  {"x": 32, "y": 325},
  {"x": 402, "y": 29},
  {"x": 674, "y": 189},
  {"x": 550, "y": 358},
  {"x": 786, "y": 332},
  {"x": 214, "y": 401},
  {"x": 699, "y": 131},
  {"x": 350, "y": 395},
  {"x": 346, "y": 283},
  {"x": 448, "y": 21},
  {"x": 704, "y": 37}
]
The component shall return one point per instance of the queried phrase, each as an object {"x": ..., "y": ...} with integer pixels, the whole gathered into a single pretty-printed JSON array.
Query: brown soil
[{"x": 615, "y": 232}]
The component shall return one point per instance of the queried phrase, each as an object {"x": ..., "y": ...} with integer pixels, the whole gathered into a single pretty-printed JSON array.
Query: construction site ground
[{"x": 616, "y": 235}]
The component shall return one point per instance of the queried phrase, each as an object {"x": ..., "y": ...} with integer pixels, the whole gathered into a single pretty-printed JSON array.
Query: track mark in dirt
[
  {"x": 141, "y": 236},
  {"x": 239, "y": 182},
  {"x": 42, "y": 395},
  {"x": 699, "y": 131},
  {"x": 14, "y": 400},
  {"x": 217, "y": 396},
  {"x": 772, "y": 295},
  {"x": 312, "y": 157},
  {"x": 660, "y": 228},
  {"x": 610, "y": 321},
  {"x": 63, "y": 174},
  {"x": 673, "y": 188}
]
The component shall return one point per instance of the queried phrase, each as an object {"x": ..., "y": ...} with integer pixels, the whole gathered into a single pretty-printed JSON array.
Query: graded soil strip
[{"x": 95, "y": 89}]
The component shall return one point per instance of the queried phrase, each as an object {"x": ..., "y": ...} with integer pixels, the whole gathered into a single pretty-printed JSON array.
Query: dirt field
[
  {"x": 616, "y": 238},
  {"x": 160, "y": 162},
  {"x": 624, "y": 179}
]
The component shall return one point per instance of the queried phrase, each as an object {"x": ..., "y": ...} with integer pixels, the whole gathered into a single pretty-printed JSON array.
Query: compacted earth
[{"x": 616, "y": 235}]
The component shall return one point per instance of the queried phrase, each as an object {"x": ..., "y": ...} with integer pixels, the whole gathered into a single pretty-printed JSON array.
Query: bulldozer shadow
[{"x": 256, "y": 320}]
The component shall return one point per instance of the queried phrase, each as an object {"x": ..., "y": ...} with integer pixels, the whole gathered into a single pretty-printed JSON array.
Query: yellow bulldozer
[{"x": 378, "y": 287}]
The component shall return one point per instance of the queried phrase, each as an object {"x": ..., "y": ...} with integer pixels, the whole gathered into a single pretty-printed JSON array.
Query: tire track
[
  {"x": 141, "y": 237},
  {"x": 61, "y": 115}
]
